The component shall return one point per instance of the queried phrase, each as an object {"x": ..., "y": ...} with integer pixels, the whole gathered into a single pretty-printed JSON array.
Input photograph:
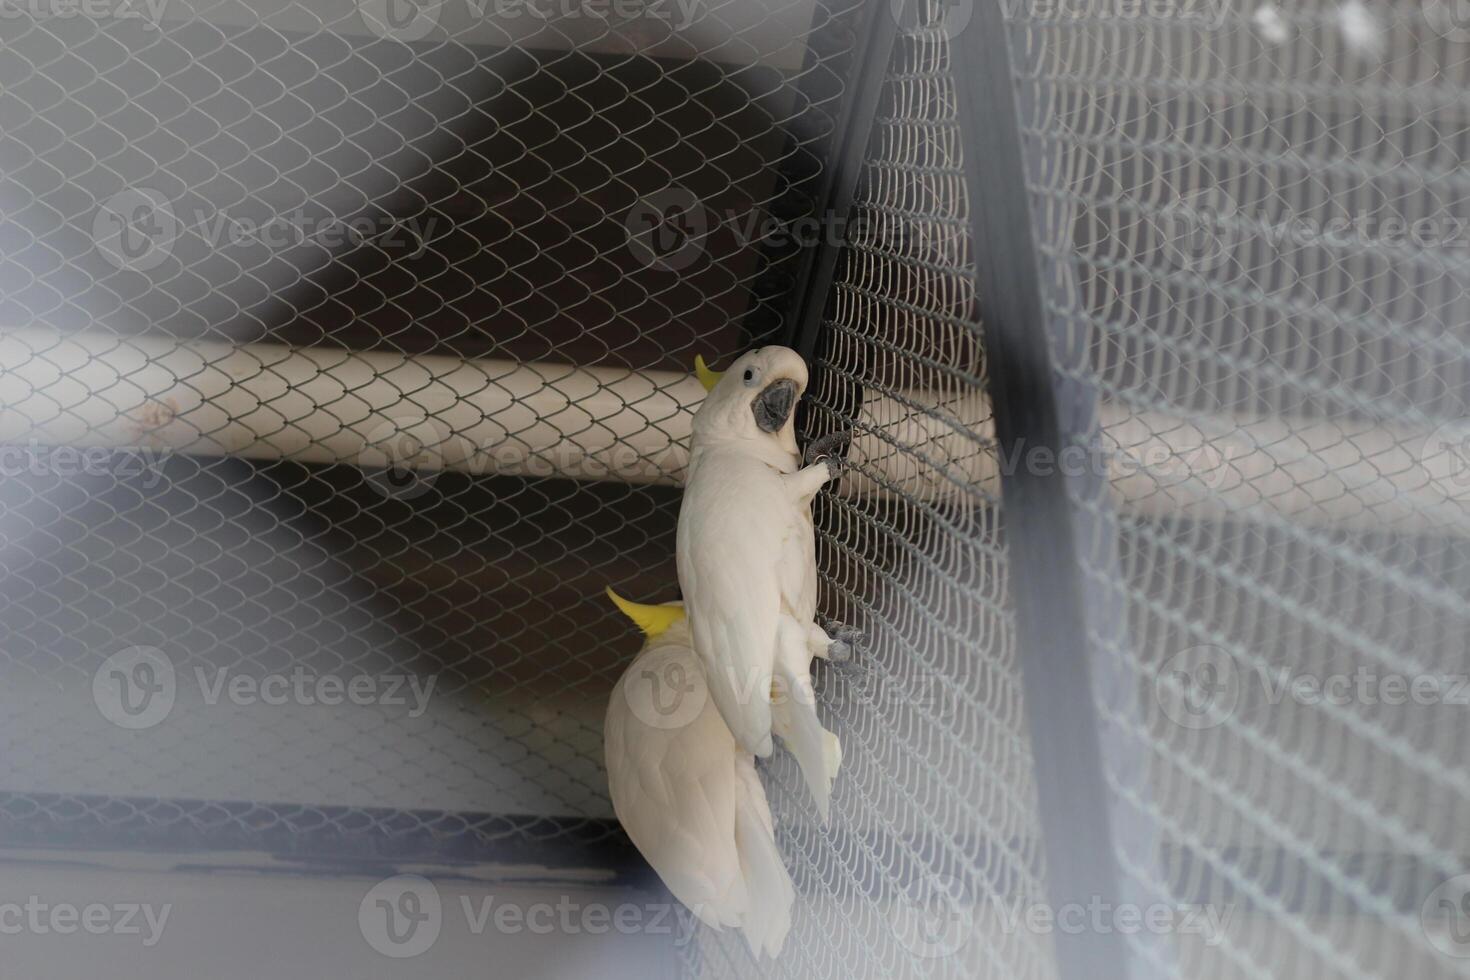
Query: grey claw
[
  {"x": 825, "y": 448},
  {"x": 847, "y": 642}
]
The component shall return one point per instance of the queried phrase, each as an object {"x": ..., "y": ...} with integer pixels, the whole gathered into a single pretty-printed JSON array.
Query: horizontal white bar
[{"x": 372, "y": 408}]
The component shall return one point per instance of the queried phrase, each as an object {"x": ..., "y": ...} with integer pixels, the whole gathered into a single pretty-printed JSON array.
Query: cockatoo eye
[{"x": 749, "y": 376}]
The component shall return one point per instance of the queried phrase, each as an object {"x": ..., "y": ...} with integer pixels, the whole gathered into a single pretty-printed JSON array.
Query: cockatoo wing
[
  {"x": 732, "y": 526},
  {"x": 768, "y": 918},
  {"x": 675, "y": 792},
  {"x": 798, "y": 566}
]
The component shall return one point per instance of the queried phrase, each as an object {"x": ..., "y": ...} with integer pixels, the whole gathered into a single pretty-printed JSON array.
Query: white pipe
[
  {"x": 371, "y": 408},
  {"x": 1308, "y": 471},
  {"x": 320, "y": 405}
]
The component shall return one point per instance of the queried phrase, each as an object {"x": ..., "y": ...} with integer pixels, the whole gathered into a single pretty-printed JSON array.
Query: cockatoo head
[
  {"x": 754, "y": 400},
  {"x": 661, "y": 624}
]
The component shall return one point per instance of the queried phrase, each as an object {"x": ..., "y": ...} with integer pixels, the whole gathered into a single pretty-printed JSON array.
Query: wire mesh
[
  {"x": 225, "y": 230},
  {"x": 1253, "y": 219},
  {"x": 932, "y": 850},
  {"x": 1255, "y": 225}
]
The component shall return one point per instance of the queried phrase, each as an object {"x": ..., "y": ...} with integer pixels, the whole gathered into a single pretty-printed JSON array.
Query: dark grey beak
[{"x": 772, "y": 407}]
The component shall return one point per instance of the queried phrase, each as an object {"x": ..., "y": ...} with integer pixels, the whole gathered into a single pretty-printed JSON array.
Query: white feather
[
  {"x": 747, "y": 568},
  {"x": 692, "y": 803},
  {"x": 1272, "y": 26},
  {"x": 1360, "y": 28}
]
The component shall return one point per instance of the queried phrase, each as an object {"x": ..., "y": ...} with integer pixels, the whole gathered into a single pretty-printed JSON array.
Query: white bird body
[
  {"x": 689, "y": 796},
  {"x": 1360, "y": 28},
  {"x": 1269, "y": 21},
  {"x": 747, "y": 563}
]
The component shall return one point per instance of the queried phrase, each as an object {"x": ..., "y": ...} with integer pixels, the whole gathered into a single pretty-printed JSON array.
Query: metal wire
[
  {"x": 1255, "y": 228},
  {"x": 933, "y": 835},
  {"x": 479, "y": 187},
  {"x": 1255, "y": 224}
]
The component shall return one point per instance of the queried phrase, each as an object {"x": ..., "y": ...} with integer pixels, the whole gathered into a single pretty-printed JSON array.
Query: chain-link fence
[
  {"x": 1253, "y": 222},
  {"x": 933, "y": 838},
  {"x": 345, "y": 357},
  {"x": 346, "y": 353}
]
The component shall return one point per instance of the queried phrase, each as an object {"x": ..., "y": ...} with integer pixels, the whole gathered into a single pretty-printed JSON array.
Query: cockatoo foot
[
  {"x": 824, "y": 449},
  {"x": 847, "y": 642}
]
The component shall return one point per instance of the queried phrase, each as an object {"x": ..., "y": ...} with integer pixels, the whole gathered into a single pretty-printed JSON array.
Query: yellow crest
[
  {"x": 706, "y": 377},
  {"x": 652, "y": 620}
]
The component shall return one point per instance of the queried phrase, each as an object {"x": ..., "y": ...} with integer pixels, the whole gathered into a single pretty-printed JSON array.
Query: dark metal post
[
  {"x": 1060, "y": 534},
  {"x": 854, "y": 126}
]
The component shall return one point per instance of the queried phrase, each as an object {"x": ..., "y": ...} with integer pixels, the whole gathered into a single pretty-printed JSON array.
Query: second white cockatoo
[
  {"x": 747, "y": 561},
  {"x": 686, "y": 793}
]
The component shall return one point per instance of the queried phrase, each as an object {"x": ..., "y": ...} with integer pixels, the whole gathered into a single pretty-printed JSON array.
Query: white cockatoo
[
  {"x": 686, "y": 793},
  {"x": 747, "y": 561}
]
